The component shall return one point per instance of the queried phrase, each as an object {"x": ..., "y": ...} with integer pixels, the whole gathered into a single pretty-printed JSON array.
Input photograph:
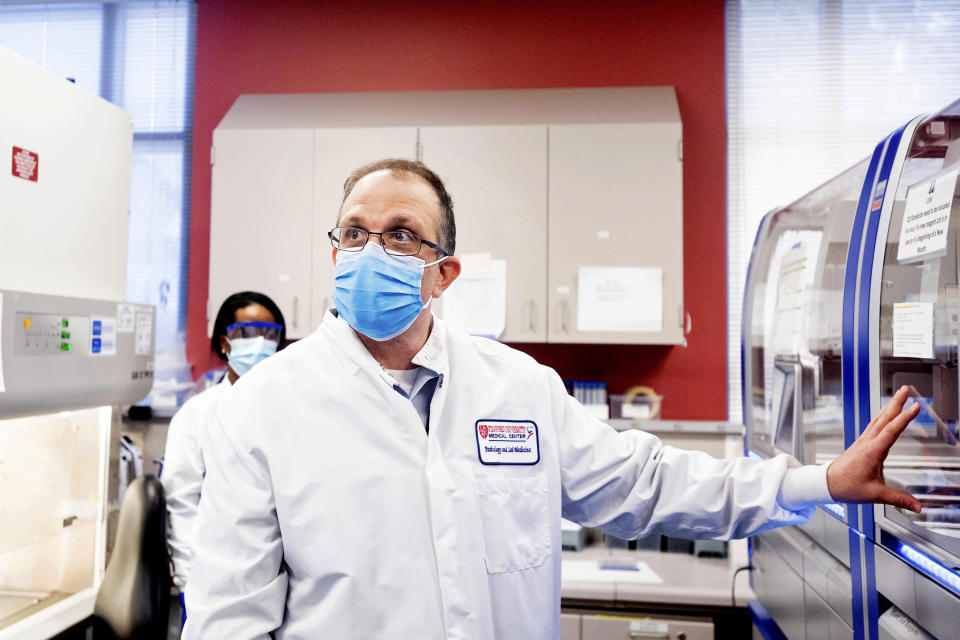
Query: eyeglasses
[{"x": 396, "y": 243}]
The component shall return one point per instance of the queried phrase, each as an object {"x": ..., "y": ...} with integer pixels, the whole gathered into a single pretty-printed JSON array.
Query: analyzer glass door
[
  {"x": 919, "y": 308},
  {"x": 796, "y": 317}
]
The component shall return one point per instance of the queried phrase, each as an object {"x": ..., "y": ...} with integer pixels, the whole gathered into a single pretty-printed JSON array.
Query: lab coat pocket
[{"x": 514, "y": 522}]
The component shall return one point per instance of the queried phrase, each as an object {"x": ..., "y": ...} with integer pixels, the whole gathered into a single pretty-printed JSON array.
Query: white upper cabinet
[
  {"x": 616, "y": 233},
  {"x": 261, "y": 203},
  {"x": 578, "y": 192},
  {"x": 497, "y": 177},
  {"x": 338, "y": 152}
]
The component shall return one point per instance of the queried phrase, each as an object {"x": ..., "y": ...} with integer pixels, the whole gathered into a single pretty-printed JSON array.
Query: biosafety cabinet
[
  {"x": 72, "y": 350},
  {"x": 852, "y": 292}
]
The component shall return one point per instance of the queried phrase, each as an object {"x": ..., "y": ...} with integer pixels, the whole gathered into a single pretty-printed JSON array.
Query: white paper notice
[
  {"x": 125, "y": 318},
  {"x": 620, "y": 299},
  {"x": 788, "y": 331},
  {"x": 476, "y": 302},
  {"x": 913, "y": 330},
  {"x": 608, "y": 571},
  {"x": 143, "y": 342},
  {"x": 926, "y": 216},
  {"x": 2, "y": 388}
]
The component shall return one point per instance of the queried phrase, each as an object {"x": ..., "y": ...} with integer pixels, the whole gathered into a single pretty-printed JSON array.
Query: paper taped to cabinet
[
  {"x": 476, "y": 302},
  {"x": 620, "y": 299}
]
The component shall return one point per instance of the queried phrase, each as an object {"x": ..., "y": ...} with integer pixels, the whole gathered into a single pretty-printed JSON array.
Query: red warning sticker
[{"x": 26, "y": 164}]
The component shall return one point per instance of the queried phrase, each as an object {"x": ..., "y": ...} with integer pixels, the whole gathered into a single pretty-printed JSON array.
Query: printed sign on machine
[
  {"x": 913, "y": 330},
  {"x": 926, "y": 217}
]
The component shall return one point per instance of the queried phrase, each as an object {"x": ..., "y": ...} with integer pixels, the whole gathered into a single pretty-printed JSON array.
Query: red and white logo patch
[{"x": 508, "y": 442}]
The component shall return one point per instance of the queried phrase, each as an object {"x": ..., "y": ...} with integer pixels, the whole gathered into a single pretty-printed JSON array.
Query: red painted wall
[{"x": 251, "y": 46}]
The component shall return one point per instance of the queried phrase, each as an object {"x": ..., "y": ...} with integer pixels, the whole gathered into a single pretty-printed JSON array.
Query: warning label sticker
[{"x": 26, "y": 164}]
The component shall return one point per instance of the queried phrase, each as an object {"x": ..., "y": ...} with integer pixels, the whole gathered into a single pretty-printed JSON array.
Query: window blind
[{"x": 812, "y": 87}]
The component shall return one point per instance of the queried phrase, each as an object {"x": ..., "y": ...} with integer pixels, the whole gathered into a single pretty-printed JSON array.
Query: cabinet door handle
[
  {"x": 649, "y": 634},
  {"x": 296, "y": 307},
  {"x": 531, "y": 311}
]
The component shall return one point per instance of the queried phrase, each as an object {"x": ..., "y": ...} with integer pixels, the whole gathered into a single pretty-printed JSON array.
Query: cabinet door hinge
[
  {"x": 213, "y": 155},
  {"x": 680, "y": 150}
]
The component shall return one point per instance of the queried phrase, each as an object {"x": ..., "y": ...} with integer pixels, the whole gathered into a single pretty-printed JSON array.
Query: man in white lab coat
[{"x": 389, "y": 477}]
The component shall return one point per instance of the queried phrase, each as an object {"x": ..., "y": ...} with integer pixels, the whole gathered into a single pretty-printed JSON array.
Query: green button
[
  {"x": 65, "y": 335},
  {"x": 64, "y": 323},
  {"x": 65, "y": 346}
]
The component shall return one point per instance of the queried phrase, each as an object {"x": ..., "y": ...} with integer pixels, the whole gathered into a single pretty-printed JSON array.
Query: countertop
[{"x": 686, "y": 579}]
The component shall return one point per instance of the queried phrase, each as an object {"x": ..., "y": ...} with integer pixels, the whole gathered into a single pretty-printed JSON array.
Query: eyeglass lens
[{"x": 398, "y": 242}]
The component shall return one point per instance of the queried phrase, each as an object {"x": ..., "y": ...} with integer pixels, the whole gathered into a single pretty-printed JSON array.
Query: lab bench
[{"x": 692, "y": 599}]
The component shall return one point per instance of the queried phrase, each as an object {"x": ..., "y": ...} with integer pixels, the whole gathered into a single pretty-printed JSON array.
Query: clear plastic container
[{"x": 640, "y": 406}]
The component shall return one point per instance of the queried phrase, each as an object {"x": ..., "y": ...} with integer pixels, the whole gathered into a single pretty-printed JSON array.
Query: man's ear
[
  {"x": 333, "y": 255},
  {"x": 449, "y": 270}
]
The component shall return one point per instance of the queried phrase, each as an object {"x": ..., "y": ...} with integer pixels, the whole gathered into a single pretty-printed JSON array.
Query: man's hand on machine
[{"x": 857, "y": 475}]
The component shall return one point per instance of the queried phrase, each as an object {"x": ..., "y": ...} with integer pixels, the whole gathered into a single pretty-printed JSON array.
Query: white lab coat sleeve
[
  {"x": 238, "y": 582},
  {"x": 630, "y": 485},
  {"x": 182, "y": 478}
]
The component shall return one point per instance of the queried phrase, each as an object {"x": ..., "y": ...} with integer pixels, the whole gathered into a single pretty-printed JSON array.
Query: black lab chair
[{"x": 133, "y": 601}]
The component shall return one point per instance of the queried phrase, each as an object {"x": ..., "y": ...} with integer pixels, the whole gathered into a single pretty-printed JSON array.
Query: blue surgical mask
[
  {"x": 376, "y": 293},
  {"x": 246, "y": 352}
]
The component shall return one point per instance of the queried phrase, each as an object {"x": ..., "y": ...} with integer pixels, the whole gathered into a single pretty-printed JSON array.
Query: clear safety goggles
[{"x": 267, "y": 330}]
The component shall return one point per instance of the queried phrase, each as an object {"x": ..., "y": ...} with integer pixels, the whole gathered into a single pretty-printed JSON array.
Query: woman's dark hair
[{"x": 228, "y": 315}]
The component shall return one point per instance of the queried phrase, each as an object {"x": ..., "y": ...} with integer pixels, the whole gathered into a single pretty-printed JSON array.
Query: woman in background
[{"x": 249, "y": 328}]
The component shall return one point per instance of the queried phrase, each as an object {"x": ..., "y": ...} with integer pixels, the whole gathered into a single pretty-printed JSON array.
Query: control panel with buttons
[
  {"x": 49, "y": 334},
  {"x": 60, "y": 353}
]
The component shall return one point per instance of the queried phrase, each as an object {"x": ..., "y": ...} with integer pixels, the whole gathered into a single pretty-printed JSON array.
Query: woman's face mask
[
  {"x": 246, "y": 352},
  {"x": 251, "y": 342}
]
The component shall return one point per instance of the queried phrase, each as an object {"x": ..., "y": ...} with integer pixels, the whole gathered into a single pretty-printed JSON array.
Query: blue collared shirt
[
  {"x": 422, "y": 393},
  {"x": 432, "y": 362}
]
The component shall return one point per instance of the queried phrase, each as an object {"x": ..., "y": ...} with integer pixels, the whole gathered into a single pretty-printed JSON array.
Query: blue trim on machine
[
  {"x": 763, "y": 622},
  {"x": 923, "y": 563},
  {"x": 863, "y": 317},
  {"x": 849, "y": 300},
  {"x": 835, "y": 509},
  {"x": 873, "y": 601},
  {"x": 856, "y": 582}
]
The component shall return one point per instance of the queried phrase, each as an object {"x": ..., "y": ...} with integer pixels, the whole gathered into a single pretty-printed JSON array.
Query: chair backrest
[{"x": 134, "y": 598}]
